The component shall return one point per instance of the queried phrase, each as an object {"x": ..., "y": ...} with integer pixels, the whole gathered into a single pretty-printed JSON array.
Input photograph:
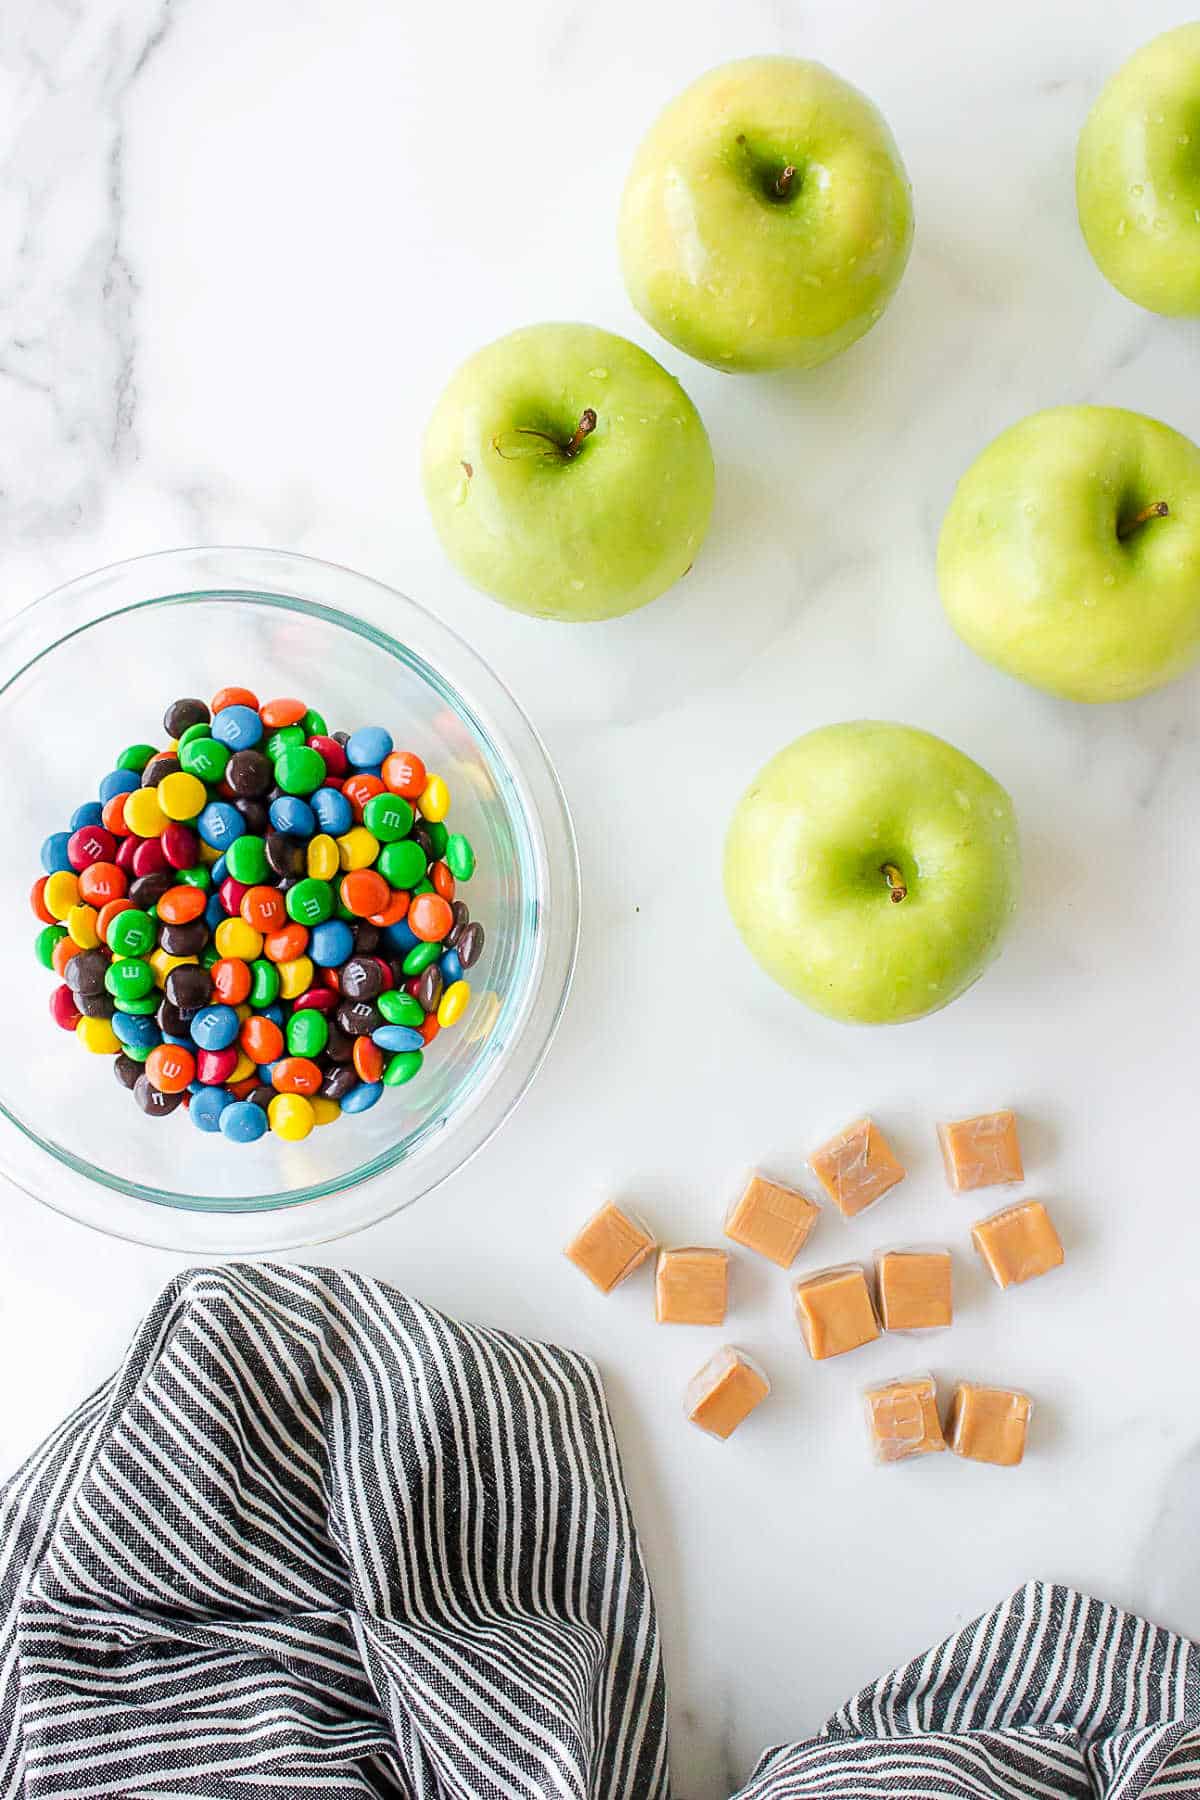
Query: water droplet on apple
[
  {"x": 1089, "y": 600},
  {"x": 1160, "y": 225},
  {"x": 598, "y": 374},
  {"x": 577, "y": 585},
  {"x": 1110, "y": 580},
  {"x": 1122, "y": 226},
  {"x": 1183, "y": 138},
  {"x": 1137, "y": 190}
]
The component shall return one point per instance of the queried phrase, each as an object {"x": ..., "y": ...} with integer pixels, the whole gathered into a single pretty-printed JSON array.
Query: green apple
[
  {"x": 1137, "y": 175},
  {"x": 1070, "y": 554},
  {"x": 872, "y": 870},
  {"x": 767, "y": 219},
  {"x": 568, "y": 474}
]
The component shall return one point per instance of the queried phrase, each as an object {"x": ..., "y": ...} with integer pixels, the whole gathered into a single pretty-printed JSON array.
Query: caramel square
[
  {"x": 915, "y": 1289},
  {"x": 1018, "y": 1243},
  {"x": 835, "y": 1312},
  {"x": 771, "y": 1219},
  {"x": 989, "y": 1424},
  {"x": 691, "y": 1287},
  {"x": 903, "y": 1418},
  {"x": 857, "y": 1167},
  {"x": 609, "y": 1247},
  {"x": 981, "y": 1152},
  {"x": 725, "y": 1391}
]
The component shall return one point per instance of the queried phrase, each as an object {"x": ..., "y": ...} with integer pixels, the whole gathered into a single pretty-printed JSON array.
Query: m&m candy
[{"x": 260, "y": 922}]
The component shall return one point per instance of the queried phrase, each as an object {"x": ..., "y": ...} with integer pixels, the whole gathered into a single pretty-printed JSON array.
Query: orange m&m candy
[
  {"x": 36, "y": 900},
  {"x": 394, "y": 911},
  {"x": 296, "y": 1075},
  {"x": 108, "y": 913},
  {"x": 64, "y": 950},
  {"x": 430, "y": 917},
  {"x": 263, "y": 908},
  {"x": 180, "y": 905},
  {"x": 101, "y": 882},
  {"x": 443, "y": 880},
  {"x": 261, "y": 1039},
  {"x": 112, "y": 815},
  {"x": 404, "y": 773},
  {"x": 286, "y": 944},
  {"x": 233, "y": 696},
  {"x": 170, "y": 1068},
  {"x": 277, "y": 713},
  {"x": 368, "y": 1059},
  {"x": 230, "y": 978},
  {"x": 358, "y": 789},
  {"x": 364, "y": 891}
]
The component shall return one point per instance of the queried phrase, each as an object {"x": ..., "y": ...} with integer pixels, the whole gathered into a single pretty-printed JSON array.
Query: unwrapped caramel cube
[
  {"x": 856, "y": 1167},
  {"x": 989, "y": 1424},
  {"x": 915, "y": 1292},
  {"x": 771, "y": 1219},
  {"x": 981, "y": 1152},
  {"x": 1018, "y": 1243},
  {"x": 903, "y": 1418},
  {"x": 725, "y": 1391},
  {"x": 610, "y": 1246},
  {"x": 835, "y": 1311},
  {"x": 691, "y": 1287}
]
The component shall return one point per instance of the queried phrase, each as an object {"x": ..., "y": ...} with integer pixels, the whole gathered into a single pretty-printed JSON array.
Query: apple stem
[
  {"x": 895, "y": 881},
  {"x": 784, "y": 180},
  {"x": 584, "y": 429},
  {"x": 1157, "y": 509}
]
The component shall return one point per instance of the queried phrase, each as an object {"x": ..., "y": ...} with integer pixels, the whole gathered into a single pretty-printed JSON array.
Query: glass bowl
[{"x": 90, "y": 669}]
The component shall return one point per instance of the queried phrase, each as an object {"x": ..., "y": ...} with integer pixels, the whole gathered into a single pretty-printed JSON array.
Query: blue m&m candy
[
  {"x": 55, "y": 860},
  {"x": 362, "y": 1097},
  {"x": 119, "y": 781},
  {"x": 215, "y": 1027},
  {"x": 332, "y": 811},
  {"x": 242, "y": 1120},
  {"x": 294, "y": 816},
  {"x": 238, "y": 727},
  {"x": 208, "y": 1103},
  {"x": 367, "y": 747},
  {"x": 220, "y": 823},
  {"x": 90, "y": 813}
]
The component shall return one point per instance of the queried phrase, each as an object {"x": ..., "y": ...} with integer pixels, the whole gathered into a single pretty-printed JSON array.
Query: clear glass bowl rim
[{"x": 479, "y": 696}]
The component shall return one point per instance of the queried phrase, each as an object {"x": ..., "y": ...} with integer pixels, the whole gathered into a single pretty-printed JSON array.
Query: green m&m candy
[
  {"x": 136, "y": 757},
  {"x": 246, "y": 860},
  {"x": 310, "y": 902},
  {"x": 402, "y": 865},
  {"x": 205, "y": 758},
  {"x": 399, "y": 1008},
  {"x": 45, "y": 941},
  {"x": 388, "y": 817},
  {"x": 402, "y": 1067},
  {"x": 132, "y": 933},
  {"x": 307, "y": 1032},
  {"x": 129, "y": 979},
  {"x": 300, "y": 770}
]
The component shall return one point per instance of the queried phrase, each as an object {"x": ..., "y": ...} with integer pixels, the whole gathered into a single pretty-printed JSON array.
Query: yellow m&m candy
[{"x": 291, "y": 1116}]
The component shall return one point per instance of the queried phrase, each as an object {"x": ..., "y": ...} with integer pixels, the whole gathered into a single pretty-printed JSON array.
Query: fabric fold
[
  {"x": 1051, "y": 1696},
  {"x": 316, "y": 1539}
]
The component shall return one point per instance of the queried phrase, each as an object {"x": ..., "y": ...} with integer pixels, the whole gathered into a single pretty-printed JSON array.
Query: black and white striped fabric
[
  {"x": 1050, "y": 1697},
  {"x": 314, "y": 1540}
]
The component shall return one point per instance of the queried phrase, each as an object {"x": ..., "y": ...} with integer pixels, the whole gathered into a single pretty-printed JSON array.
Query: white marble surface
[{"x": 241, "y": 247}]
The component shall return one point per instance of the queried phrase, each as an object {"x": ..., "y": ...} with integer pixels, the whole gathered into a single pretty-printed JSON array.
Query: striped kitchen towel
[
  {"x": 1050, "y": 1697},
  {"x": 314, "y": 1540}
]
